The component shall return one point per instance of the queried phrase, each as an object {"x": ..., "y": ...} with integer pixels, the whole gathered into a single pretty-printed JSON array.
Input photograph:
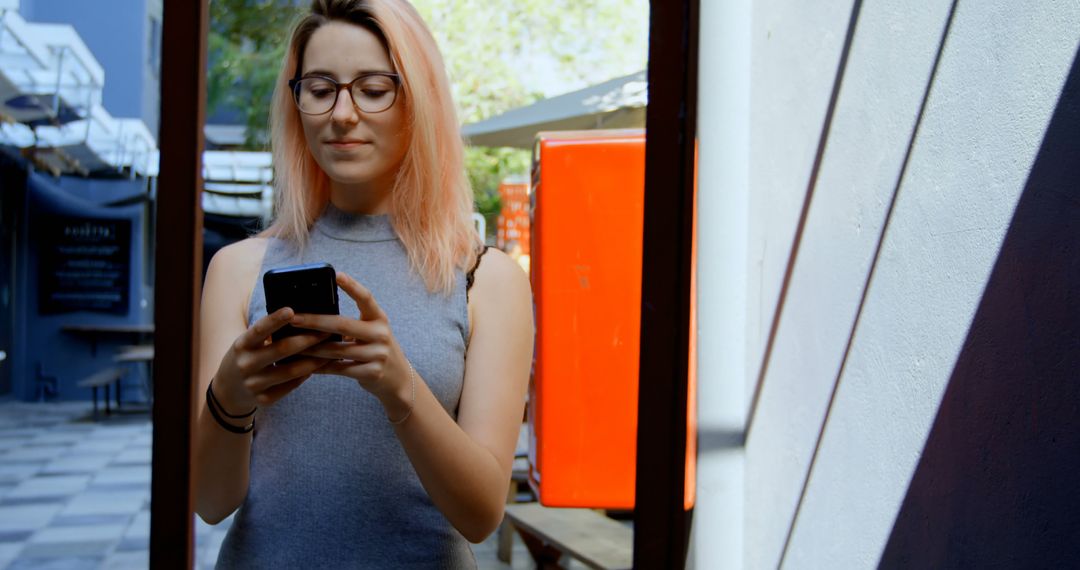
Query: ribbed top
[{"x": 330, "y": 485}]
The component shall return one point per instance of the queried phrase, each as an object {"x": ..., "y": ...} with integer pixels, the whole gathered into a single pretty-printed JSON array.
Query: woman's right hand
[{"x": 247, "y": 375}]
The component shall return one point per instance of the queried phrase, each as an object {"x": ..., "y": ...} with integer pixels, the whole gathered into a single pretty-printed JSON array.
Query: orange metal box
[{"x": 587, "y": 212}]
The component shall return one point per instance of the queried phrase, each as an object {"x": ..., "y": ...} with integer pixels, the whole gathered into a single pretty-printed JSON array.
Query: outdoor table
[{"x": 94, "y": 331}]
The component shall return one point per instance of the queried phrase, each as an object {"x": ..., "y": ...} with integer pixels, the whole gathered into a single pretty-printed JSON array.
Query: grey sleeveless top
[{"x": 330, "y": 485}]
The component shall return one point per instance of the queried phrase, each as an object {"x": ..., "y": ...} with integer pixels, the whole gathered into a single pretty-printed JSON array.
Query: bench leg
[
  {"x": 506, "y": 542},
  {"x": 108, "y": 411},
  {"x": 506, "y": 529},
  {"x": 93, "y": 390},
  {"x": 119, "y": 383},
  {"x": 546, "y": 556}
]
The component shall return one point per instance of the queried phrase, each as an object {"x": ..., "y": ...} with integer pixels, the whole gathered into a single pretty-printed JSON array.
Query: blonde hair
[{"x": 431, "y": 205}]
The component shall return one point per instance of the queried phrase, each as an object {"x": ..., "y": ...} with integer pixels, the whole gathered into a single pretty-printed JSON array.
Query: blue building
[
  {"x": 125, "y": 37},
  {"x": 79, "y": 92},
  {"x": 79, "y": 108}
]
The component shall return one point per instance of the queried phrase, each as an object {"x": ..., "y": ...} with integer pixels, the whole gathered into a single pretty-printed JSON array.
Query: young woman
[{"x": 392, "y": 448}]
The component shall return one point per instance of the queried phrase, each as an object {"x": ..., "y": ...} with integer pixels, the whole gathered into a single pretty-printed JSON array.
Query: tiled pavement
[{"x": 76, "y": 493}]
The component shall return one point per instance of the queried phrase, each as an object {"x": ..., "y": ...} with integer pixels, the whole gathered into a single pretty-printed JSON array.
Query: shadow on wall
[{"x": 996, "y": 486}]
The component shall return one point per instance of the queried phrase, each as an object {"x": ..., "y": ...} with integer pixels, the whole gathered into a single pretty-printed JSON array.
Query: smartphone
[{"x": 309, "y": 288}]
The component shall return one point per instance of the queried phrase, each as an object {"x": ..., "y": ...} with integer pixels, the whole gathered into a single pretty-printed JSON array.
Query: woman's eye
[
  {"x": 320, "y": 93},
  {"x": 373, "y": 94}
]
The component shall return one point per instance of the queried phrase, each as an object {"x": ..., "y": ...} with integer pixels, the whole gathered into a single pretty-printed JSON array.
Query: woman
[{"x": 392, "y": 448}]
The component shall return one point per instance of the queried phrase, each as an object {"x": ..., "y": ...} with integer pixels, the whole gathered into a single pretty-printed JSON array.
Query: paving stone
[
  {"x": 140, "y": 526},
  {"x": 73, "y": 427},
  {"x": 106, "y": 503},
  {"x": 42, "y": 500},
  {"x": 93, "y": 446},
  {"x": 111, "y": 487},
  {"x": 19, "y": 433},
  {"x": 130, "y": 560},
  {"x": 50, "y": 486},
  {"x": 131, "y": 457},
  {"x": 27, "y": 517},
  {"x": 86, "y": 520},
  {"x": 17, "y": 473},
  {"x": 74, "y": 464},
  {"x": 72, "y": 552},
  {"x": 206, "y": 550},
  {"x": 84, "y": 533},
  {"x": 24, "y": 454},
  {"x": 15, "y": 536},
  {"x": 133, "y": 544},
  {"x": 53, "y": 437},
  {"x": 8, "y": 552},
  {"x": 122, "y": 475}
]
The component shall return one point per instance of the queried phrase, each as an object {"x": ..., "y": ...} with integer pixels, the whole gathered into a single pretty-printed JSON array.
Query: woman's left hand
[{"x": 368, "y": 353}]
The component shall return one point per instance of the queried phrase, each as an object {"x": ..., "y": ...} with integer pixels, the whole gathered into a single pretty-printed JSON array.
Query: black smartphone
[{"x": 309, "y": 288}]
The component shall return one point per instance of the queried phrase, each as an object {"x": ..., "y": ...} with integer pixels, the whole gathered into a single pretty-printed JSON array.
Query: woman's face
[{"x": 353, "y": 147}]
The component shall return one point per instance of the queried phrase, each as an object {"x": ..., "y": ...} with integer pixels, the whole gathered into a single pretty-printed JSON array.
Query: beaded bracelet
[{"x": 412, "y": 384}]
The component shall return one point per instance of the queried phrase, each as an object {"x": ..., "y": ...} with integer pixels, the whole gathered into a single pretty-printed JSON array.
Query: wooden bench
[
  {"x": 135, "y": 353},
  {"x": 138, "y": 354},
  {"x": 553, "y": 535},
  {"x": 105, "y": 378}
]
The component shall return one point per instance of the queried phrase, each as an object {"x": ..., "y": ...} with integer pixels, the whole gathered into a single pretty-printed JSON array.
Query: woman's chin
[{"x": 351, "y": 177}]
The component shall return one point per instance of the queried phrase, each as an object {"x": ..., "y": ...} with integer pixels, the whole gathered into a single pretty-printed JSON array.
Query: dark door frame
[
  {"x": 661, "y": 522},
  {"x": 178, "y": 282},
  {"x": 662, "y": 525}
]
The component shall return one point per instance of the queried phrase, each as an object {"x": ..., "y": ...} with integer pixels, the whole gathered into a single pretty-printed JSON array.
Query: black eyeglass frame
[{"x": 294, "y": 83}]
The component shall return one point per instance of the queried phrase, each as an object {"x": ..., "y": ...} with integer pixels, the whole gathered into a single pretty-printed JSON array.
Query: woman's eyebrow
[{"x": 325, "y": 73}]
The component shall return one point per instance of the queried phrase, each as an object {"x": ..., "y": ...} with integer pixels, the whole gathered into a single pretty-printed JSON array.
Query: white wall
[
  {"x": 867, "y": 339},
  {"x": 723, "y": 209}
]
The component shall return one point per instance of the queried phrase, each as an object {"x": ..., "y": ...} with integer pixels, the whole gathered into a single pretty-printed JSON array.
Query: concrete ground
[{"x": 75, "y": 493}]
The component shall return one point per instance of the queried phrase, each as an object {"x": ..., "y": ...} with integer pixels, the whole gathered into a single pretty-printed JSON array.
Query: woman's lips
[{"x": 346, "y": 144}]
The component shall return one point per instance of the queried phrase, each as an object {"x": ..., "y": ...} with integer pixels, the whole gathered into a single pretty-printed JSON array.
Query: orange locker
[{"x": 587, "y": 211}]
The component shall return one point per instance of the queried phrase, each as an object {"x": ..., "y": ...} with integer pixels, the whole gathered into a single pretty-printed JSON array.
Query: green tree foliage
[
  {"x": 247, "y": 42},
  {"x": 496, "y": 52}
]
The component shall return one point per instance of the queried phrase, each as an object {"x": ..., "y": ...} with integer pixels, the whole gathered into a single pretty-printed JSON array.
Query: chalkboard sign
[{"x": 84, "y": 265}]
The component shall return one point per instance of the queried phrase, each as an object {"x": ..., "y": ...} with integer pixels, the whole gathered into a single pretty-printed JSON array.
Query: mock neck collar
[{"x": 342, "y": 225}]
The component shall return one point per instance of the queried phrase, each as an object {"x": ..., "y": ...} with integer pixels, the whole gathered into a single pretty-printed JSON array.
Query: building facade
[
  {"x": 80, "y": 102},
  {"x": 889, "y": 309}
]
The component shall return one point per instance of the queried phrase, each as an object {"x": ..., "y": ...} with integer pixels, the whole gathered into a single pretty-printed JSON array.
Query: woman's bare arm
[
  {"x": 466, "y": 466},
  {"x": 220, "y": 462}
]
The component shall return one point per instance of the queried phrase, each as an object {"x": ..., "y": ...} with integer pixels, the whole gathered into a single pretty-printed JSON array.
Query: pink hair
[{"x": 431, "y": 207}]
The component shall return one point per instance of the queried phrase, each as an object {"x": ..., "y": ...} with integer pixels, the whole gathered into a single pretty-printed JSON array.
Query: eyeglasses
[{"x": 371, "y": 92}]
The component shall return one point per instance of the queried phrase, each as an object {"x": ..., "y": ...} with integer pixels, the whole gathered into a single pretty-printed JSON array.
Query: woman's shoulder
[
  {"x": 500, "y": 302},
  {"x": 497, "y": 280},
  {"x": 246, "y": 254},
  {"x": 237, "y": 263}
]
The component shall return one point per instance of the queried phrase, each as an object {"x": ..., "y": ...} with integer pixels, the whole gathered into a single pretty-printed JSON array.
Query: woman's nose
[{"x": 344, "y": 109}]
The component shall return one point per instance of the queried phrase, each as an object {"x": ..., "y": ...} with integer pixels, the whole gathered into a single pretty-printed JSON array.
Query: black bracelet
[
  {"x": 210, "y": 392},
  {"x": 210, "y": 403}
]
